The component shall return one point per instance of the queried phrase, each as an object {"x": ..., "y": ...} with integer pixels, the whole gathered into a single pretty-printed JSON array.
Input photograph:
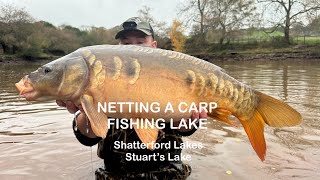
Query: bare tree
[
  {"x": 195, "y": 12},
  {"x": 314, "y": 26},
  {"x": 145, "y": 14},
  {"x": 160, "y": 28},
  {"x": 11, "y": 14},
  {"x": 15, "y": 26},
  {"x": 228, "y": 16},
  {"x": 289, "y": 11},
  {"x": 222, "y": 15}
]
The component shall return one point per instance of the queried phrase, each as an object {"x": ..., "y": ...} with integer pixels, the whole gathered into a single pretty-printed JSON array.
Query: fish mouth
[{"x": 26, "y": 89}]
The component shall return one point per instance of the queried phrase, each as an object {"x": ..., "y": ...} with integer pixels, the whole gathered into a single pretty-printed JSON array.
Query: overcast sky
[{"x": 106, "y": 13}]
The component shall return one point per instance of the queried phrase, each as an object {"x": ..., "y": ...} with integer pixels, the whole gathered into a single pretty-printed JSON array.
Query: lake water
[{"x": 37, "y": 141}]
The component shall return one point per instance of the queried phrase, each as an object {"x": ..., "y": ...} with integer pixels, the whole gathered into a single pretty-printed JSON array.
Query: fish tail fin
[
  {"x": 254, "y": 128},
  {"x": 273, "y": 112},
  {"x": 276, "y": 113}
]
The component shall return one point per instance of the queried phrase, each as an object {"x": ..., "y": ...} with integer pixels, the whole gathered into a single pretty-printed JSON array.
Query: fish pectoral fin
[
  {"x": 98, "y": 121},
  {"x": 254, "y": 128},
  {"x": 147, "y": 135},
  {"x": 222, "y": 115}
]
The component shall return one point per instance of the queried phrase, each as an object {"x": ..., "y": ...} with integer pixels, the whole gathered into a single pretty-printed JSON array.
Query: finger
[
  {"x": 61, "y": 103},
  {"x": 71, "y": 107},
  {"x": 81, "y": 108},
  {"x": 195, "y": 115},
  {"x": 203, "y": 114}
]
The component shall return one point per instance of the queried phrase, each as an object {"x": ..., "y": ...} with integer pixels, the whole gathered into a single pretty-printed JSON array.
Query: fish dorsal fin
[
  {"x": 147, "y": 135},
  {"x": 98, "y": 120},
  {"x": 222, "y": 115}
]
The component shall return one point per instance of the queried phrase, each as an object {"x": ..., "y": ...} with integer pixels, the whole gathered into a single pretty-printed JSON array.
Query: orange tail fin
[
  {"x": 273, "y": 112},
  {"x": 276, "y": 113},
  {"x": 269, "y": 110},
  {"x": 254, "y": 128}
]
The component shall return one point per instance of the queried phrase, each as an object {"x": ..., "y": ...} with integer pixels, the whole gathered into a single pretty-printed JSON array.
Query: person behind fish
[{"x": 138, "y": 32}]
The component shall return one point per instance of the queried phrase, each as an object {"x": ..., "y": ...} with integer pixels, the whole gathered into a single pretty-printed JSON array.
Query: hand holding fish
[
  {"x": 82, "y": 121},
  {"x": 70, "y": 106},
  {"x": 196, "y": 115}
]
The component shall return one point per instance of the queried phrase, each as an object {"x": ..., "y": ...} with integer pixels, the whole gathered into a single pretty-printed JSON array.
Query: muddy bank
[
  {"x": 13, "y": 59},
  {"x": 260, "y": 57},
  {"x": 208, "y": 57},
  {"x": 298, "y": 52}
]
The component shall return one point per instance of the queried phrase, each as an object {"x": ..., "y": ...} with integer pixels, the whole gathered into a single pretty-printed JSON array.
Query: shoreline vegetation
[
  {"x": 25, "y": 39},
  {"x": 294, "y": 52}
]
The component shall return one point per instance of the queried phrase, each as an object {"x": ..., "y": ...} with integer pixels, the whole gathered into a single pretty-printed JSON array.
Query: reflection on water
[{"x": 36, "y": 140}]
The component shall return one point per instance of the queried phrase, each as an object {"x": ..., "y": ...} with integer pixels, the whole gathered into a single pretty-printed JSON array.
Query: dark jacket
[{"x": 115, "y": 159}]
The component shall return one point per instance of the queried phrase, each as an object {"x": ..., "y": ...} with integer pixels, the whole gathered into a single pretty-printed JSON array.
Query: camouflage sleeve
[{"x": 82, "y": 138}]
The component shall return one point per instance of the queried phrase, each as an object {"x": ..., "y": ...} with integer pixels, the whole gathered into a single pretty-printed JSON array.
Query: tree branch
[
  {"x": 274, "y": 29},
  {"x": 305, "y": 11}
]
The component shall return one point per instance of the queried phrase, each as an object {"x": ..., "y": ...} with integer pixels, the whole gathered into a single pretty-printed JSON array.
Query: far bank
[{"x": 296, "y": 52}]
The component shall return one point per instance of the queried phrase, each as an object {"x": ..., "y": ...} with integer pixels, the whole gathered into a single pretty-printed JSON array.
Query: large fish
[{"x": 131, "y": 73}]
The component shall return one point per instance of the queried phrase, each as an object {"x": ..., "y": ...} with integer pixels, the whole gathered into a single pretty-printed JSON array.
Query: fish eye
[{"x": 47, "y": 70}]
